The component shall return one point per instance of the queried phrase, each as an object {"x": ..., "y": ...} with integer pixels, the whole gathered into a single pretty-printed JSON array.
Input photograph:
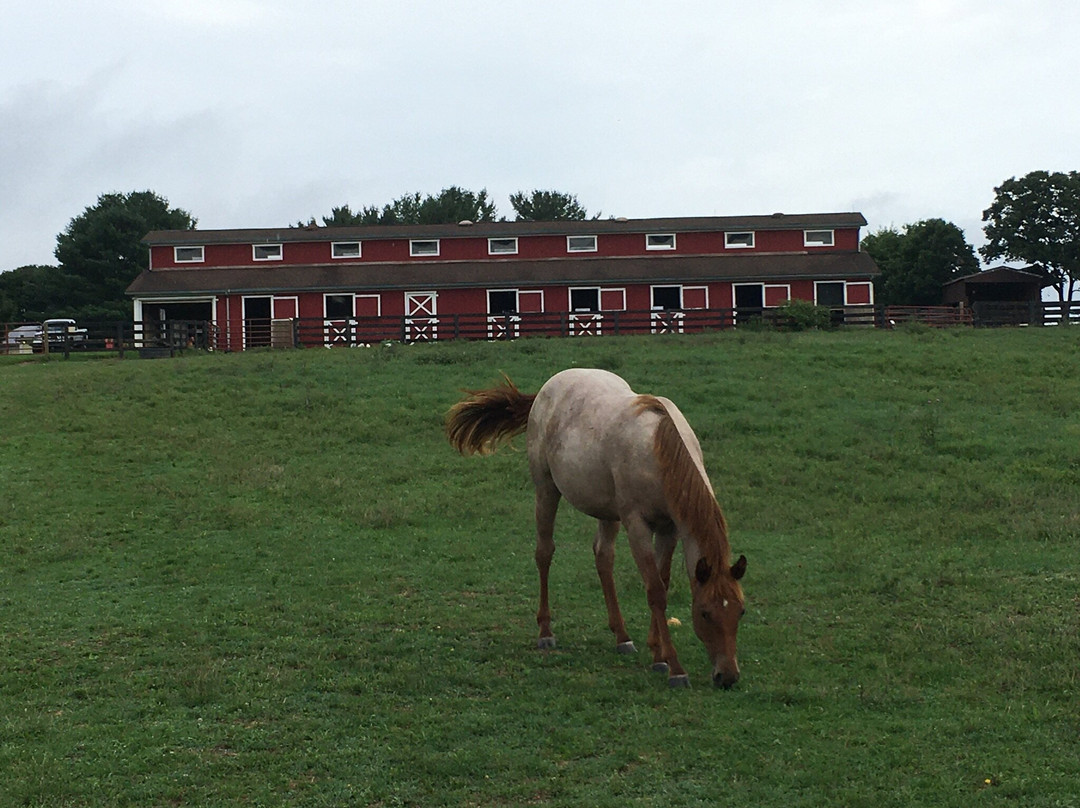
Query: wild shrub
[{"x": 802, "y": 315}]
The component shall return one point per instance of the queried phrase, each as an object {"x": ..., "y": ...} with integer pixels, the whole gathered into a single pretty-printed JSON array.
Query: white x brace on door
[{"x": 421, "y": 324}]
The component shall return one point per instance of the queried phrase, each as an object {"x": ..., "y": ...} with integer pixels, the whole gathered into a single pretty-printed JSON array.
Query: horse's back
[{"x": 587, "y": 437}]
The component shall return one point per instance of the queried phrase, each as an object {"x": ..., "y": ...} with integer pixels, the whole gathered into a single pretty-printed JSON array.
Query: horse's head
[{"x": 718, "y": 605}]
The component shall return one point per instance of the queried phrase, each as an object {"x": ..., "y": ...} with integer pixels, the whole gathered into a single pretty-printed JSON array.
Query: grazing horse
[{"x": 622, "y": 458}]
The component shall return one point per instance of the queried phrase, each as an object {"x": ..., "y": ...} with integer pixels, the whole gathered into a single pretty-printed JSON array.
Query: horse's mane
[{"x": 685, "y": 489}]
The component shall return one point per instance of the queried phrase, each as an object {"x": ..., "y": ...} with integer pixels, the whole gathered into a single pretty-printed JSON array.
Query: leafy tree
[
  {"x": 918, "y": 260},
  {"x": 449, "y": 206},
  {"x": 1036, "y": 219},
  {"x": 403, "y": 210},
  {"x": 455, "y": 204},
  {"x": 102, "y": 246},
  {"x": 547, "y": 206},
  {"x": 36, "y": 292}
]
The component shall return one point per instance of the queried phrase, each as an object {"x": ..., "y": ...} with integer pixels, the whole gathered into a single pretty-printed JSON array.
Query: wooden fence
[
  {"x": 146, "y": 339},
  {"x": 990, "y": 313},
  {"x": 156, "y": 338},
  {"x": 936, "y": 316}
]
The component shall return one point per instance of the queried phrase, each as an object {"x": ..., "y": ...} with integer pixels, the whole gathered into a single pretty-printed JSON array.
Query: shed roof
[
  {"x": 775, "y": 221},
  {"x": 1003, "y": 274},
  {"x": 504, "y": 273}
]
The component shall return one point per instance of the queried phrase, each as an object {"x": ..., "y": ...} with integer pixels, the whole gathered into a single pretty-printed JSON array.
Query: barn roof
[
  {"x": 775, "y": 221},
  {"x": 774, "y": 267}
]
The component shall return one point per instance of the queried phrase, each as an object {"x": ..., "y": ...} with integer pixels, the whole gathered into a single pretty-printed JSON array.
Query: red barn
[{"x": 352, "y": 285}]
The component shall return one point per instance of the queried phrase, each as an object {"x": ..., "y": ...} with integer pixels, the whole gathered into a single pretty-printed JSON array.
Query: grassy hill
[{"x": 265, "y": 578}]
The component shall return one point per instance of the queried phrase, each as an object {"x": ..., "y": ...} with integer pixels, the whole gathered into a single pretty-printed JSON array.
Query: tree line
[
  {"x": 1034, "y": 219},
  {"x": 454, "y": 204}
]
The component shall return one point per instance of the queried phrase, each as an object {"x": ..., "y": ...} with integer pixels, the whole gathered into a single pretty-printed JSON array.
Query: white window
[
  {"x": 421, "y": 247},
  {"x": 345, "y": 249},
  {"x": 266, "y": 252},
  {"x": 188, "y": 255},
  {"x": 660, "y": 241},
  {"x": 581, "y": 243},
  {"x": 739, "y": 241},
  {"x": 818, "y": 238},
  {"x": 502, "y": 246}
]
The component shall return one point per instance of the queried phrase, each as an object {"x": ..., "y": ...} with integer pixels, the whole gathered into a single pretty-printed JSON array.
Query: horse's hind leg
[
  {"x": 604, "y": 550},
  {"x": 547, "y": 504}
]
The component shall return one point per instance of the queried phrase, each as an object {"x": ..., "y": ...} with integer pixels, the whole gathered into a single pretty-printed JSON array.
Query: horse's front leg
[
  {"x": 663, "y": 550},
  {"x": 547, "y": 504},
  {"x": 604, "y": 551},
  {"x": 664, "y": 655}
]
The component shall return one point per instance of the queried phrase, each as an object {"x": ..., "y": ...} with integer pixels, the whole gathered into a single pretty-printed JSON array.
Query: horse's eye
[
  {"x": 706, "y": 614},
  {"x": 743, "y": 612}
]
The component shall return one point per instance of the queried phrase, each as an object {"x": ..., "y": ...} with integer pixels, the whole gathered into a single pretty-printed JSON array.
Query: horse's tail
[
  {"x": 484, "y": 418},
  {"x": 686, "y": 491}
]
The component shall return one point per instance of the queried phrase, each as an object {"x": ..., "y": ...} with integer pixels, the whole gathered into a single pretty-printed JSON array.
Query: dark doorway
[
  {"x": 502, "y": 302},
  {"x": 830, "y": 293},
  {"x": 749, "y": 302},
  {"x": 257, "y": 322},
  {"x": 201, "y": 311},
  {"x": 667, "y": 298},
  {"x": 178, "y": 325},
  {"x": 339, "y": 307},
  {"x": 584, "y": 300}
]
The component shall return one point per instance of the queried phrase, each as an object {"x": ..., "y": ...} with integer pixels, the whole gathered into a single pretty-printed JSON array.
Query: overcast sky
[{"x": 260, "y": 113}]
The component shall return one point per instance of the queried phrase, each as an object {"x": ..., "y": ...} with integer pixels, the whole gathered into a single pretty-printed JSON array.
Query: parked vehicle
[
  {"x": 61, "y": 331},
  {"x": 24, "y": 335}
]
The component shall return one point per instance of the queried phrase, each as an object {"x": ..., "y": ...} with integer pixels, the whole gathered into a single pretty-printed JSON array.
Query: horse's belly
[
  {"x": 597, "y": 498},
  {"x": 600, "y": 475}
]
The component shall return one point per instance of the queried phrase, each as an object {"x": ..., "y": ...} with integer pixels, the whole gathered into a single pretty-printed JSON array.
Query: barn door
[
  {"x": 749, "y": 301},
  {"x": 667, "y": 305},
  {"x": 338, "y": 320},
  {"x": 421, "y": 323},
  {"x": 256, "y": 314}
]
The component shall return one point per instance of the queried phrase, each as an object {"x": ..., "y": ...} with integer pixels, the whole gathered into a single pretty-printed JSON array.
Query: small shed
[
  {"x": 999, "y": 295},
  {"x": 998, "y": 284}
]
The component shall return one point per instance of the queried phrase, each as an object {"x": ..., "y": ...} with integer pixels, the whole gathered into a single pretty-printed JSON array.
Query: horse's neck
[
  {"x": 691, "y": 551},
  {"x": 709, "y": 538}
]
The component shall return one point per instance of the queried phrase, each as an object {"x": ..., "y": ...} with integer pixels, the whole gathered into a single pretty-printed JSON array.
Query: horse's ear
[
  {"x": 703, "y": 571},
  {"x": 738, "y": 569}
]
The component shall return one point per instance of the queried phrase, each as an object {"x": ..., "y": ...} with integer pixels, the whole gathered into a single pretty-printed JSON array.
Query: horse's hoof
[
  {"x": 545, "y": 643},
  {"x": 679, "y": 681},
  {"x": 625, "y": 648},
  {"x": 660, "y": 667}
]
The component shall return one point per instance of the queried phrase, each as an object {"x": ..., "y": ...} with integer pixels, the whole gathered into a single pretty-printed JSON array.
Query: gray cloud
[{"x": 262, "y": 114}]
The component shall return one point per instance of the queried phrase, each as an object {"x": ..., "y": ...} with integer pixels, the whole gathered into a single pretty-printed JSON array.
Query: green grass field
[{"x": 266, "y": 579}]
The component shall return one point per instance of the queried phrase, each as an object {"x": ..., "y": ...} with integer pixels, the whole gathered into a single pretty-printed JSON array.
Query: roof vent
[
  {"x": 621, "y": 219},
  {"x": 778, "y": 215},
  {"x": 465, "y": 223}
]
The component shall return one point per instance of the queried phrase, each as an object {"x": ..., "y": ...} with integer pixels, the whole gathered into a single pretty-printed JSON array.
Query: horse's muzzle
[{"x": 726, "y": 681}]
